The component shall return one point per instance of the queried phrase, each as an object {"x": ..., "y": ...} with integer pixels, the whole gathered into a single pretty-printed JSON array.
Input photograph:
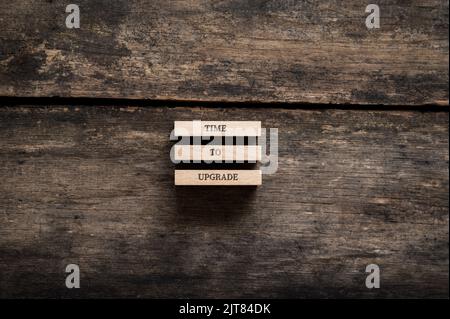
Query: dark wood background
[
  {"x": 361, "y": 180},
  {"x": 228, "y": 50},
  {"x": 94, "y": 186}
]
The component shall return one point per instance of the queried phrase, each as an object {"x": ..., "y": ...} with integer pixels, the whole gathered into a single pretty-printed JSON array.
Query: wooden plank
[
  {"x": 217, "y": 153},
  {"x": 228, "y": 50},
  {"x": 217, "y": 128},
  {"x": 94, "y": 186},
  {"x": 218, "y": 177}
]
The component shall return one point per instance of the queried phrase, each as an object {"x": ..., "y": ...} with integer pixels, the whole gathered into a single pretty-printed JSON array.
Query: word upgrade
[{"x": 218, "y": 177}]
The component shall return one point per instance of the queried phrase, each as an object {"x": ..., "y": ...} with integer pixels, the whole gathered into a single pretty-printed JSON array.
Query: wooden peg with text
[
  {"x": 217, "y": 128},
  {"x": 218, "y": 177}
]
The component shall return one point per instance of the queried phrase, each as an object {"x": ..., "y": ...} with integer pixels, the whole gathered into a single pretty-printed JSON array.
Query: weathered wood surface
[
  {"x": 94, "y": 186},
  {"x": 227, "y": 50}
]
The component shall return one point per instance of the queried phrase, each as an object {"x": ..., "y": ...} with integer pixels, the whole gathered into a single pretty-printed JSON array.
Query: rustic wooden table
[{"x": 362, "y": 179}]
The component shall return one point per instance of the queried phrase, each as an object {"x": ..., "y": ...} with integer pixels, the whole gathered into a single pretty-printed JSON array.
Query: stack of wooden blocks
[{"x": 238, "y": 143}]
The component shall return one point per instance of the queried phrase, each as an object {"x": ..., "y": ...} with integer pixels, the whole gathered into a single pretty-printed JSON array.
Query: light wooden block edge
[
  {"x": 217, "y": 153},
  {"x": 221, "y": 128},
  {"x": 218, "y": 178}
]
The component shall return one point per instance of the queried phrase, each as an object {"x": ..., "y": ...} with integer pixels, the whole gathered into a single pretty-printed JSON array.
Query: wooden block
[
  {"x": 218, "y": 153},
  {"x": 217, "y": 128},
  {"x": 218, "y": 177}
]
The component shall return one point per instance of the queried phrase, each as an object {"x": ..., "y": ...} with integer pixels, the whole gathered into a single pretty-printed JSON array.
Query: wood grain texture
[
  {"x": 94, "y": 186},
  {"x": 228, "y": 50}
]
